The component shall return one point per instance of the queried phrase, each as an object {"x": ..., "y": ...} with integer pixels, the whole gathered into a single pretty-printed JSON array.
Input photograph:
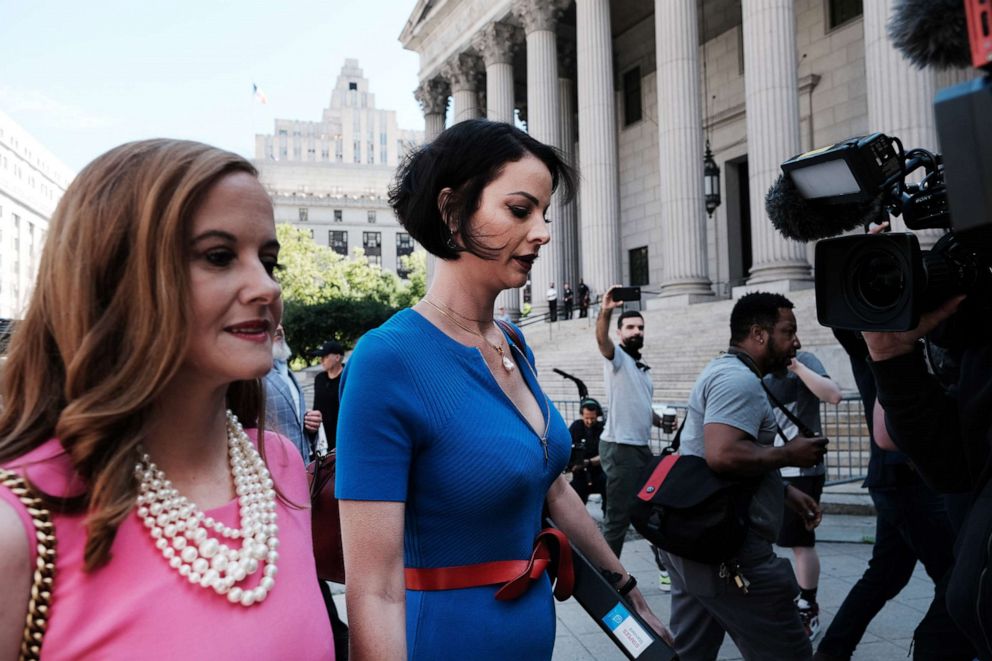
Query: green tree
[
  {"x": 311, "y": 272},
  {"x": 329, "y": 296}
]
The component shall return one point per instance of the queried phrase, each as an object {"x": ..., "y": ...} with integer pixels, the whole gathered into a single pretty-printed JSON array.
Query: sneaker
[
  {"x": 664, "y": 581},
  {"x": 809, "y": 613}
]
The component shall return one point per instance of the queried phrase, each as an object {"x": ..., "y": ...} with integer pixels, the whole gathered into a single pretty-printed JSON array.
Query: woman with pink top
[{"x": 132, "y": 406}]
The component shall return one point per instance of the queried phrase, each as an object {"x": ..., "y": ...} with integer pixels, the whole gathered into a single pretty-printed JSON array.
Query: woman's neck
[
  {"x": 187, "y": 438},
  {"x": 470, "y": 301}
]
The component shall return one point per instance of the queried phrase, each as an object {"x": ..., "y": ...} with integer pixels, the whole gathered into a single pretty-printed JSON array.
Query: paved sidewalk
[{"x": 843, "y": 556}]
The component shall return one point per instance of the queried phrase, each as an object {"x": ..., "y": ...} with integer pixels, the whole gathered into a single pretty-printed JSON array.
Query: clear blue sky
[{"x": 84, "y": 76}]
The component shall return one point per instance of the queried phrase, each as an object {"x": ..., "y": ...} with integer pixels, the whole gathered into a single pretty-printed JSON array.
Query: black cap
[{"x": 331, "y": 346}]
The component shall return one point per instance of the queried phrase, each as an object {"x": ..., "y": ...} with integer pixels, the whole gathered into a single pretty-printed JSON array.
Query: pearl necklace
[
  {"x": 180, "y": 529},
  {"x": 498, "y": 348}
]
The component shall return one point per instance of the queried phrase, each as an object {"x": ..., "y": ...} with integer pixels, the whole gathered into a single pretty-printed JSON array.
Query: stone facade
[
  {"x": 331, "y": 177},
  {"x": 641, "y": 166},
  {"x": 32, "y": 182}
]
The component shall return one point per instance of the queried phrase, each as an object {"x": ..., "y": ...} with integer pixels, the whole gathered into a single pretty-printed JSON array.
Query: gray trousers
[
  {"x": 623, "y": 465},
  {"x": 764, "y": 623}
]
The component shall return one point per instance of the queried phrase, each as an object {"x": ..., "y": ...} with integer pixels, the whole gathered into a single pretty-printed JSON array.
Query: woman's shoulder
[
  {"x": 48, "y": 467},
  {"x": 284, "y": 462},
  {"x": 390, "y": 342}
]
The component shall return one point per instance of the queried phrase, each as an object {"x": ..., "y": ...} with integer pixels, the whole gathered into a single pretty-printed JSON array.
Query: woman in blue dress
[{"x": 447, "y": 447}]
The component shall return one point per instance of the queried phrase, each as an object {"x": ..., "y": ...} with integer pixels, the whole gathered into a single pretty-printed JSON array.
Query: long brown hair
[{"x": 107, "y": 325}]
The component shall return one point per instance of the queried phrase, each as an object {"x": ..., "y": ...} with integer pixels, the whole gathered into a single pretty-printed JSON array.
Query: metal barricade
[{"x": 844, "y": 424}]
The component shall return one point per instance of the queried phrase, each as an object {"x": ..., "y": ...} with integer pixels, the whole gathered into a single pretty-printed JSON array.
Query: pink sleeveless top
[{"x": 136, "y": 606}]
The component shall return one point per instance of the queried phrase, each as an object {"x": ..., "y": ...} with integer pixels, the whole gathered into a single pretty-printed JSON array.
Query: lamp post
[{"x": 711, "y": 181}]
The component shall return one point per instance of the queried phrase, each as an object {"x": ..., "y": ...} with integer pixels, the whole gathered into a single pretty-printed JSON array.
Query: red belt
[{"x": 517, "y": 575}]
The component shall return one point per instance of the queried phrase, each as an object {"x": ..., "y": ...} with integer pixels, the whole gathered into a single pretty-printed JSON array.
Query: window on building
[
  {"x": 358, "y": 151},
  {"x": 404, "y": 247},
  {"x": 304, "y": 214},
  {"x": 638, "y": 266},
  {"x": 632, "y": 96},
  {"x": 371, "y": 215},
  {"x": 338, "y": 215},
  {"x": 842, "y": 11},
  {"x": 352, "y": 86},
  {"x": 372, "y": 244},
  {"x": 338, "y": 241}
]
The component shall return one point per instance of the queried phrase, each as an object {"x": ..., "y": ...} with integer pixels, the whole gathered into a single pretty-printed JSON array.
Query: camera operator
[
  {"x": 587, "y": 475},
  {"x": 948, "y": 437}
]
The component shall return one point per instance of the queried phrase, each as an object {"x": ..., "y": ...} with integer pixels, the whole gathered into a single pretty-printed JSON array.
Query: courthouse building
[
  {"x": 632, "y": 90},
  {"x": 32, "y": 181},
  {"x": 331, "y": 177}
]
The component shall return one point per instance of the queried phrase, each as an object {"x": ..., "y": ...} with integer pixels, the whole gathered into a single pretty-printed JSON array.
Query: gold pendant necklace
[{"x": 507, "y": 363}]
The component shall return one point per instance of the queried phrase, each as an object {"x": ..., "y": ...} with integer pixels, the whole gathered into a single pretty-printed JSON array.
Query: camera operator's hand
[
  {"x": 608, "y": 303},
  {"x": 806, "y": 452},
  {"x": 885, "y": 345}
]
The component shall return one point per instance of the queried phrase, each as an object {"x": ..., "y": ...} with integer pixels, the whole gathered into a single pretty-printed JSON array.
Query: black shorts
[{"x": 794, "y": 531}]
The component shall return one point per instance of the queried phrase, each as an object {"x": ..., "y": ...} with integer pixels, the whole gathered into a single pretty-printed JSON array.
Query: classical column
[
  {"x": 539, "y": 18},
  {"x": 599, "y": 199},
  {"x": 680, "y": 131},
  {"x": 771, "y": 90},
  {"x": 900, "y": 96},
  {"x": 433, "y": 98},
  {"x": 461, "y": 72},
  {"x": 496, "y": 43},
  {"x": 568, "y": 231}
]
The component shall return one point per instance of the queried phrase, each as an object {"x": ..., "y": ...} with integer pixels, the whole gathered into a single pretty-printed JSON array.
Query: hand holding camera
[{"x": 806, "y": 452}]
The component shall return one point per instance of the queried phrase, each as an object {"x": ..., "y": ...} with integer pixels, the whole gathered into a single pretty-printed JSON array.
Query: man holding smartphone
[{"x": 623, "y": 448}]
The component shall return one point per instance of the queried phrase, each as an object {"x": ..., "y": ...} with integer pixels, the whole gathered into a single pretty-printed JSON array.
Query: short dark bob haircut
[
  {"x": 465, "y": 158},
  {"x": 760, "y": 308}
]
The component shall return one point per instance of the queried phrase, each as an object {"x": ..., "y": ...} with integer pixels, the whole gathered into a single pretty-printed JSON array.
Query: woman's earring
[{"x": 450, "y": 243}]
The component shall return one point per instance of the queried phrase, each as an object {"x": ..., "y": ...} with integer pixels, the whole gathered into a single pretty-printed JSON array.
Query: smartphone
[{"x": 627, "y": 294}]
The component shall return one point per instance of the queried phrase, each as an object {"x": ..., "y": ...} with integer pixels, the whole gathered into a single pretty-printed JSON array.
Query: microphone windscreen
[
  {"x": 804, "y": 220},
  {"x": 931, "y": 33}
]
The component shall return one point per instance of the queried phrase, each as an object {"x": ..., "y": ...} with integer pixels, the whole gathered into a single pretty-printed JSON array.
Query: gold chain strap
[{"x": 44, "y": 570}]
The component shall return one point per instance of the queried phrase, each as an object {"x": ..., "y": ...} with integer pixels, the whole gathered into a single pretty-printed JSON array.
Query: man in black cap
[{"x": 325, "y": 387}]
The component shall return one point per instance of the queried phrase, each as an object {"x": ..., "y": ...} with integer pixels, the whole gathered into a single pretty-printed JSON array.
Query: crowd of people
[{"x": 148, "y": 404}]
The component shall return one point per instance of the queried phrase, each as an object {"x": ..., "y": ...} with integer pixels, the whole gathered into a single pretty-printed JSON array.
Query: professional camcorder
[{"x": 885, "y": 282}]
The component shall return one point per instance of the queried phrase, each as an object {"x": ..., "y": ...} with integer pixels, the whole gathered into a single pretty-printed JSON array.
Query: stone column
[
  {"x": 680, "y": 131},
  {"x": 539, "y": 18},
  {"x": 568, "y": 231},
  {"x": 433, "y": 98},
  {"x": 771, "y": 89},
  {"x": 461, "y": 72},
  {"x": 599, "y": 198},
  {"x": 900, "y": 96},
  {"x": 496, "y": 43}
]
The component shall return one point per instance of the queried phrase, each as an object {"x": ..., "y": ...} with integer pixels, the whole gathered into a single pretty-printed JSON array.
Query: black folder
[{"x": 614, "y": 613}]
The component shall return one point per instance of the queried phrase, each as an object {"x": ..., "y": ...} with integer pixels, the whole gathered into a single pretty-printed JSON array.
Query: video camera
[{"x": 885, "y": 282}]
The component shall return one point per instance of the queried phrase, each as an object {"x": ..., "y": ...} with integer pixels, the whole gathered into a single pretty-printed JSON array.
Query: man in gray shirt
[
  {"x": 623, "y": 447},
  {"x": 730, "y": 424}
]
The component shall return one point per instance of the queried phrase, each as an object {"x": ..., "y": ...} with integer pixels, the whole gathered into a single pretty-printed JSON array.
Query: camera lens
[{"x": 878, "y": 279}]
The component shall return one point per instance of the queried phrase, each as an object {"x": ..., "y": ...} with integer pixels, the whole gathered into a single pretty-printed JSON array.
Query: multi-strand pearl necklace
[{"x": 180, "y": 528}]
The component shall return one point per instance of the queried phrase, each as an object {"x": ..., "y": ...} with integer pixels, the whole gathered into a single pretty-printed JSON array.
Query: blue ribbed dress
[{"x": 424, "y": 422}]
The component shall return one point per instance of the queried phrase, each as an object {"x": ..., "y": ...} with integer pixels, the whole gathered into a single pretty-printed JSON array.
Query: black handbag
[{"x": 685, "y": 508}]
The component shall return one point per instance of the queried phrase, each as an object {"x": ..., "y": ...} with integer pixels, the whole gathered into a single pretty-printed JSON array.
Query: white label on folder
[{"x": 626, "y": 629}]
